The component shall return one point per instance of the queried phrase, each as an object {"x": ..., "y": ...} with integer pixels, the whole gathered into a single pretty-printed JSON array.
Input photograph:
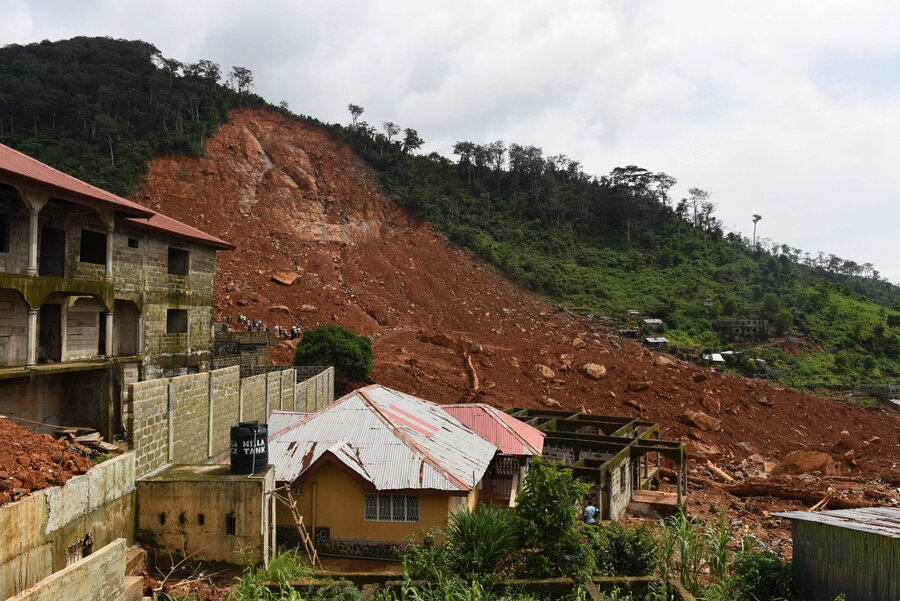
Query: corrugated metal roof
[
  {"x": 391, "y": 439},
  {"x": 280, "y": 420},
  {"x": 509, "y": 435},
  {"x": 22, "y": 169},
  {"x": 161, "y": 223},
  {"x": 876, "y": 520}
]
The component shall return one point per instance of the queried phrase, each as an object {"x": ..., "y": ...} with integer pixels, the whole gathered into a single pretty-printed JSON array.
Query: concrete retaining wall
[
  {"x": 187, "y": 419},
  {"x": 38, "y": 530},
  {"x": 99, "y": 577}
]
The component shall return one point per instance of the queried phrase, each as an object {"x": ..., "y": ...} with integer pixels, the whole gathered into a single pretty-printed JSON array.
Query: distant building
[
  {"x": 742, "y": 330},
  {"x": 632, "y": 315},
  {"x": 850, "y": 552},
  {"x": 657, "y": 343},
  {"x": 653, "y": 324}
]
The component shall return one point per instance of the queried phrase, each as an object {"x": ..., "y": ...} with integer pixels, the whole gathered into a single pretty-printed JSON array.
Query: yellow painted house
[{"x": 371, "y": 469}]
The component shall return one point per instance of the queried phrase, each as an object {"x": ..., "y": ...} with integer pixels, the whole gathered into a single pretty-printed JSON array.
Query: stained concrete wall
[
  {"x": 187, "y": 419},
  {"x": 99, "y": 577},
  {"x": 37, "y": 530},
  {"x": 82, "y": 324},
  {"x": 187, "y": 508},
  {"x": 13, "y": 319}
]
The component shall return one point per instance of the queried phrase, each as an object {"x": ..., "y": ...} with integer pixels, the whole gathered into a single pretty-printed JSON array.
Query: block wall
[
  {"x": 188, "y": 419},
  {"x": 315, "y": 393},
  {"x": 13, "y": 321}
]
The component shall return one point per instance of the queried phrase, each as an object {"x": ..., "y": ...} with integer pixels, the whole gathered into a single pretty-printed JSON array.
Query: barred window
[
  {"x": 371, "y": 507},
  {"x": 392, "y": 508}
]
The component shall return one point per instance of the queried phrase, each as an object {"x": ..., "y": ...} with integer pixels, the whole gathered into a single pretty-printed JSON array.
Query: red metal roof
[
  {"x": 22, "y": 169},
  {"x": 509, "y": 435},
  {"x": 161, "y": 223}
]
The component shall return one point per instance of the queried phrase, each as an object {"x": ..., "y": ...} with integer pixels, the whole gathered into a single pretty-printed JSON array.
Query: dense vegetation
[
  {"x": 617, "y": 242},
  {"x": 101, "y": 108}
]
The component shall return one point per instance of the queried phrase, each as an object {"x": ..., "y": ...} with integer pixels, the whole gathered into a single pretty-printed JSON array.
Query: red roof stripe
[
  {"x": 409, "y": 423},
  {"x": 409, "y": 415}
]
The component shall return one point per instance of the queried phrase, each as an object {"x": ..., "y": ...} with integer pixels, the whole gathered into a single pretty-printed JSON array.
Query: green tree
[
  {"x": 548, "y": 515},
  {"x": 351, "y": 355},
  {"x": 242, "y": 78},
  {"x": 770, "y": 306},
  {"x": 356, "y": 112},
  {"x": 783, "y": 322}
]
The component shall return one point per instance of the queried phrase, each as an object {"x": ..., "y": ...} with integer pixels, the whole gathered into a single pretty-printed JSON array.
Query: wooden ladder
[{"x": 284, "y": 495}]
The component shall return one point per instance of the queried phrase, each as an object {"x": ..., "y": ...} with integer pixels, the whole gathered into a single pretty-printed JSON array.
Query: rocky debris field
[
  {"x": 31, "y": 461},
  {"x": 319, "y": 242}
]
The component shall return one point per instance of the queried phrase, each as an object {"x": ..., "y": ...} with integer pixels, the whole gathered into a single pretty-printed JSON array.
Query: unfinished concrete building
[
  {"x": 96, "y": 292},
  {"x": 742, "y": 330},
  {"x": 620, "y": 455}
]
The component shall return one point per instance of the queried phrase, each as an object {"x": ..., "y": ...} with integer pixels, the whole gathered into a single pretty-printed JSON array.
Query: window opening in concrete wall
[
  {"x": 132, "y": 243},
  {"x": 162, "y": 519},
  {"x": 93, "y": 247},
  {"x": 52, "y": 261},
  {"x": 101, "y": 342},
  {"x": 622, "y": 477},
  {"x": 182, "y": 518},
  {"x": 79, "y": 549},
  {"x": 125, "y": 323},
  {"x": 176, "y": 321},
  {"x": 201, "y": 519},
  {"x": 178, "y": 261},
  {"x": 4, "y": 233},
  {"x": 230, "y": 524}
]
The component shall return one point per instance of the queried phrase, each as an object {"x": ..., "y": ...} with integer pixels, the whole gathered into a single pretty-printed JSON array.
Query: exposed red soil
[
  {"x": 294, "y": 198},
  {"x": 31, "y": 461}
]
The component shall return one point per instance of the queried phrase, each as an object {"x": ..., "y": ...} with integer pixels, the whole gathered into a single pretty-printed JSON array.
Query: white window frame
[{"x": 391, "y": 508}]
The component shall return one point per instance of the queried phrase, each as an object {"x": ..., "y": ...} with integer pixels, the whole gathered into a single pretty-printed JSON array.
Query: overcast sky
[{"x": 786, "y": 109}]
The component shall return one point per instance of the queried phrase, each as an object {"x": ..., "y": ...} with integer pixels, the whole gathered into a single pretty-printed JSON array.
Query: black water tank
[{"x": 249, "y": 448}]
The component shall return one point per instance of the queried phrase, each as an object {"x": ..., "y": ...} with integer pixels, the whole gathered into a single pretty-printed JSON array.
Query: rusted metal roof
[
  {"x": 161, "y": 223},
  {"x": 21, "y": 169},
  {"x": 509, "y": 435},
  {"x": 393, "y": 440},
  {"x": 875, "y": 520}
]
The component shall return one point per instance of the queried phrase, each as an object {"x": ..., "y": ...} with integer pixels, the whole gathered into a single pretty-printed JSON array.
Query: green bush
[
  {"x": 762, "y": 574},
  {"x": 548, "y": 518},
  {"x": 351, "y": 355},
  {"x": 622, "y": 551},
  {"x": 481, "y": 543}
]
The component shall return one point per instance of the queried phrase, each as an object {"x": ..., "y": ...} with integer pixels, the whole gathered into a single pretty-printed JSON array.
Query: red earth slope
[{"x": 294, "y": 198}]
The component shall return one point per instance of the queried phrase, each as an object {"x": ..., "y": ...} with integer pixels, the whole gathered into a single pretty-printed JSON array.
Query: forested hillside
[
  {"x": 620, "y": 241},
  {"x": 101, "y": 108}
]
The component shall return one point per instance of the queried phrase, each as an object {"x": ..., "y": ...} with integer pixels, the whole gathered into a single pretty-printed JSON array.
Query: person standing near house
[{"x": 589, "y": 512}]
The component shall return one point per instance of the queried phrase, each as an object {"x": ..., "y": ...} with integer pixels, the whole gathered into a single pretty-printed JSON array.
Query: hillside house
[
  {"x": 742, "y": 330},
  {"x": 652, "y": 324},
  {"x": 657, "y": 343},
  {"x": 620, "y": 455},
  {"x": 373, "y": 468},
  {"x": 516, "y": 443},
  {"x": 96, "y": 292}
]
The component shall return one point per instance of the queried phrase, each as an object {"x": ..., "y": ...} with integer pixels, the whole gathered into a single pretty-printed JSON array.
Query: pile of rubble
[{"x": 30, "y": 461}]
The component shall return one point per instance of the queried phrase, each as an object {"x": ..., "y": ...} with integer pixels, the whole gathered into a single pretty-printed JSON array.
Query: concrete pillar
[
  {"x": 32, "y": 268},
  {"x": 110, "y": 351},
  {"x": 140, "y": 333},
  {"x": 31, "y": 338},
  {"x": 109, "y": 250}
]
